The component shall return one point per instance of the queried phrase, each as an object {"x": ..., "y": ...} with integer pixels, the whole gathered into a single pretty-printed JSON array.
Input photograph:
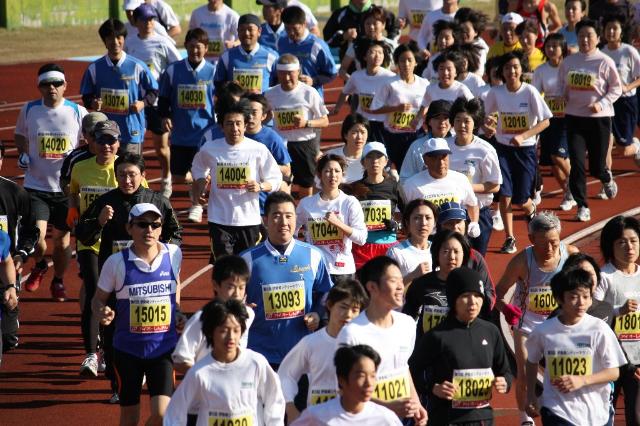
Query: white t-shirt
[
  {"x": 592, "y": 346},
  {"x": 429, "y": 73},
  {"x": 331, "y": 413},
  {"x": 351, "y": 52},
  {"x": 475, "y": 83},
  {"x": 414, "y": 11},
  {"x": 366, "y": 86},
  {"x": 230, "y": 168},
  {"x": 221, "y": 26},
  {"x": 355, "y": 170},
  {"x": 52, "y": 133},
  {"x": 453, "y": 187},
  {"x": 426, "y": 29},
  {"x": 246, "y": 388},
  {"x": 335, "y": 246},
  {"x": 310, "y": 356},
  {"x": 517, "y": 111},
  {"x": 545, "y": 80},
  {"x": 155, "y": 51},
  {"x": 395, "y": 92},
  {"x": 627, "y": 62},
  {"x": 165, "y": 14},
  {"x": 435, "y": 92},
  {"x": 303, "y": 100},
  {"x": 478, "y": 161},
  {"x": 484, "y": 51},
  {"x": 409, "y": 256}
]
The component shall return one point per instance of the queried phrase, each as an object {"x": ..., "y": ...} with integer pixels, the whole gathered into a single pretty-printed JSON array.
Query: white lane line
[{"x": 194, "y": 276}]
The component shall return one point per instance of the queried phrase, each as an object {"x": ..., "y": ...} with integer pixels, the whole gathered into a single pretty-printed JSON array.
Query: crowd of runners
[{"x": 349, "y": 286}]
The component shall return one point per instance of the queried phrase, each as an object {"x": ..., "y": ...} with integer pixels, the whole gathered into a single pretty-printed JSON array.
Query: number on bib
[
  {"x": 324, "y": 233},
  {"x": 249, "y": 79},
  {"x": 115, "y": 101},
  {"x": 88, "y": 194},
  {"x": 541, "y": 300},
  {"x": 401, "y": 120},
  {"x": 572, "y": 363},
  {"x": 226, "y": 419},
  {"x": 365, "y": 100},
  {"x": 192, "y": 96},
  {"x": 432, "y": 316},
  {"x": 53, "y": 144},
  {"x": 285, "y": 118},
  {"x": 119, "y": 245},
  {"x": 392, "y": 388},
  {"x": 514, "y": 123},
  {"x": 581, "y": 80},
  {"x": 417, "y": 16},
  {"x": 556, "y": 105},
  {"x": 473, "y": 388},
  {"x": 376, "y": 212},
  {"x": 215, "y": 48},
  {"x": 319, "y": 396},
  {"x": 232, "y": 176},
  {"x": 283, "y": 300},
  {"x": 149, "y": 315},
  {"x": 627, "y": 327}
]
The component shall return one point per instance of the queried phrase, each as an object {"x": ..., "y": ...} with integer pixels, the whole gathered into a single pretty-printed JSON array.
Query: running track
[{"x": 39, "y": 383}]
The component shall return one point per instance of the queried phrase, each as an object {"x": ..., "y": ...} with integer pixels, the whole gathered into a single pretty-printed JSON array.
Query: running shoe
[
  {"x": 497, "y": 221},
  {"x": 166, "y": 187},
  {"x": 610, "y": 189},
  {"x": 509, "y": 246},
  {"x": 195, "y": 214},
  {"x": 115, "y": 399},
  {"x": 58, "y": 292},
  {"x": 36, "y": 276},
  {"x": 567, "y": 202},
  {"x": 584, "y": 214},
  {"x": 602, "y": 194},
  {"x": 102, "y": 365},
  {"x": 537, "y": 197},
  {"x": 89, "y": 367},
  {"x": 636, "y": 156}
]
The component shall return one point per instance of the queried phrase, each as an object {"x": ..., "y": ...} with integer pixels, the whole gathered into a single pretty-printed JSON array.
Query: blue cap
[
  {"x": 144, "y": 12},
  {"x": 451, "y": 211}
]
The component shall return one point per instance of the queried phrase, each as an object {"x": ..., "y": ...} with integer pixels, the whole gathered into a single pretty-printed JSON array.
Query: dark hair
[
  {"x": 570, "y": 280},
  {"x": 374, "y": 269},
  {"x": 258, "y": 98},
  {"x": 130, "y": 158},
  {"x": 583, "y": 4},
  {"x": 507, "y": 57},
  {"x": 216, "y": 312},
  {"x": 614, "y": 230},
  {"x": 586, "y": 22},
  {"x": 278, "y": 197},
  {"x": 402, "y": 48},
  {"x": 293, "y": 15},
  {"x": 444, "y": 236},
  {"x": 442, "y": 25},
  {"x": 474, "y": 107},
  {"x": 112, "y": 28},
  {"x": 555, "y": 37},
  {"x": 470, "y": 52},
  {"x": 619, "y": 18},
  {"x": 241, "y": 107},
  {"x": 197, "y": 34},
  {"x": 526, "y": 25},
  {"x": 350, "y": 121},
  {"x": 230, "y": 266},
  {"x": 362, "y": 47},
  {"x": 449, "y": 55},
  {"x": 477, "y": 18},
  {"x": 376, "y": 12},
  {"x": 346, "y": 357},
  {"x": 490, "y": 64},
  {"x": 348, "y": 289},
  {"x": 324, "y": 160},
  {"x": 574, "y": 260},
  {"x": 50, "y": 67},
  {"x": 413, "y": 205}
]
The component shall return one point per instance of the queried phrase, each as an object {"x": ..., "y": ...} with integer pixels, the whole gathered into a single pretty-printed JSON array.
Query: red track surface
[{"x": 39, "y": 381}]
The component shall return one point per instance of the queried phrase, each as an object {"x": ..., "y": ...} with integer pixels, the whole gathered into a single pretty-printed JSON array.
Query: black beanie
[{"x": 462, "y": 280}]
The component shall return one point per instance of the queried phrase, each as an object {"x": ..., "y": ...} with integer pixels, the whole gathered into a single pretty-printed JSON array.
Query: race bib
[
  {"x": 556, "y": 105},
  {"x": 393, "y": 386},
  {"x": 249, "y": 79},
  {"x": 217, "y": 418},
  {"x": 283, "y": 300},
  {"x": 514, "y": 123},
  {"x": 319, "y": 396},
  {"x": 115, "y": 101},
  {"x": 575, "y": 362},
  {"x": 324, "y": 233},
  {"x": 88, "y": 194},
  {"x": 376, "y": 212},
  {"x": 440, "y": 199},
  {"x": 365, "y": 100},
  {"x": 580, "y": 80},
  {"x": 53, "y": 144},
  {"x": 401, "y": 120},
  {"x": 627, "y": 327},
  {"x": 118, "y": 245},
  {"x": 285, "y": 118},
  {"x": 4, "y": 223},
  {"x": 192, "y": 96},
  {"x": 432, "y": 316},
  {"x": 541, "y": 300},
  {"x": 215, "y": 48},
  {"x": 232, "y": 176},
  {"x": 473, "y": 388},
  {"x": 149, "y": 315},
  {"x": 417, "y": 16}
]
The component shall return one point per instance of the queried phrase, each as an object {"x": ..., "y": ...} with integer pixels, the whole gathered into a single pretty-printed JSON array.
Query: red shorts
[{"x": 362, "y": 254}]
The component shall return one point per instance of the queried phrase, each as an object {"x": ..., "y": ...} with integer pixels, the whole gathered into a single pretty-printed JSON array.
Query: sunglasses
[
  {"x": 106, "y": 141},
  {"x": 145, "y": 225},
  {"x": 51, "y": 83}
]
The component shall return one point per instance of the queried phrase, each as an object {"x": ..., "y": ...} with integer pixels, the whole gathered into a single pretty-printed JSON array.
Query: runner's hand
[
  {"x": 511, "y": 313},
  {"x": 96, "y": 104},
  {"x": 312, "y": 321},
  {"x": 421, "y": 417},
  {"x": 404, "y": 407},
  {"x": 23, "y": 161},
  {"x": 10, "y": 298},
  {"x": 444, "y": 390},
  {"x": 107, "y": 315},
  {"x": 500, "y": 384},
  {"x": 105, "y": 215},
  {"x": 533, "y": 408},
  {"x": 167, "y": 124},
  {"x": 72, "y": 217},
  {"x": 473, "y": 230},
  {"x": 631, "y": 305},
  {"x": 181, "y": 320},
  {"x": 136, "y": 107},
  {"x": 566, "y": 384}
]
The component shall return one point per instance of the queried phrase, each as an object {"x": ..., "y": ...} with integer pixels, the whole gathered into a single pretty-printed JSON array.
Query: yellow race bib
[
  {"x": 578, "y": 362},
  {"x": 393, "y": 386},
  {"x": 285, "y": 118},
  {"x": 119, "y": 245},
  {"x": 440, "y": 199},
  {"x": 283, "y": 300},
  {"x": 53, "y": 144},
  {"x": 365, "y": 100},
  {"x": 473, "y": 388},
  {"x": 249, "y": 79},
  {"x": 4, "y": 223},
  {"x": 541, "y": 300},
  {"x": 556, "y": 105},
  {"x": 417, "y": 16},
  {"x": 514, "y": 123},
  {"x": 215, "y": 48},
  {"x": 627, "y": 327},
  {"x": 149, "y": 315},
  {"x": 115, "y": 101},
  {"x": 227, "y": 419},
  {"x": 192, "y": 96},
  {"x": 432, "y": 316},
  {"x": 88, "y": 194},
  {"x": 319, "y": 396},
  {"x": 324, "y": 233},
  {"x": 580, "y": 80},
  {"x": 401, "y": 120},
  {"x": 376, "y": 212},
  {"x": 232, "y": 176}
]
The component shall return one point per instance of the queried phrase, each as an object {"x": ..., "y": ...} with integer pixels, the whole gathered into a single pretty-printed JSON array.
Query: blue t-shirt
[
  {"x": 268, "y": 37},
  {"x": 252, "y": 70},
  {"x": 5, "y": 245},
  {"x": 570, "y": 36},
  {"x": 119, "y": 86}
]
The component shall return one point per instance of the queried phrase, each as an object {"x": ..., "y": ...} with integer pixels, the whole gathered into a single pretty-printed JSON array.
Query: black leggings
[
  {"x": 630, "y": 387},
  {"x": 88, "y": 262}
]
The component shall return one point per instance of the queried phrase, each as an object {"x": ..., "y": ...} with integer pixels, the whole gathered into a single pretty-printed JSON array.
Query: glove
[
  {"x": 72, "y": 217},
  {"x": 512, "y": 314},
  {"x": 392, "y": 225},
  {"x": 473, "y": 230},
  {"x": 23, "y": 161}
]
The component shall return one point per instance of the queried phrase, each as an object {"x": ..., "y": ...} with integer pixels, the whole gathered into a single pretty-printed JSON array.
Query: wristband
[{"x": 8, "y": 286}]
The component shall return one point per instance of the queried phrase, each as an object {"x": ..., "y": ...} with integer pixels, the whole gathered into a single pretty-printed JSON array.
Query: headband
[
  {"x": 51, "y": 76},
  {"x": 288, "y": 67}
]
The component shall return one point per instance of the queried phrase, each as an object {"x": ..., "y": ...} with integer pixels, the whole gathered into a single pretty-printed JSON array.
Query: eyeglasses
[
  {"x": 145, "y": 225},
  {"x": 106, "y": 141},
  {"x": 51, "y": 83},
  {"x": 131, "y": 175}
]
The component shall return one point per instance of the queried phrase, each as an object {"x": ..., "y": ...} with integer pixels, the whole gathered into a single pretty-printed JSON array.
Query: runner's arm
[{"x": 511, "y": 275}]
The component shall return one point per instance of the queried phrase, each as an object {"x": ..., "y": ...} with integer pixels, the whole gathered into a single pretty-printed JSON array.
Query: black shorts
[
  {"x": 130, "y": 147},
  {"x": 154, "y": 121},
  {"x": 553, "y": 141},
  {"x": 181, "y": 159},
  {"x": 303, "y": 161},
  {"x": 129, "y": 370},
  {"x": 51, "y": 207},
  {"x": 232, "y": 239},
  {"x": 625, "y": 119}
]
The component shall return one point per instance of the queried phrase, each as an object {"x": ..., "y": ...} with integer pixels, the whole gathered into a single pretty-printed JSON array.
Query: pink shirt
[{"x": 588, "y": 78}]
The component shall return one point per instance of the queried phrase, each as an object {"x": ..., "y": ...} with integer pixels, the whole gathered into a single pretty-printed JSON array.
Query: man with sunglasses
[
  {"x": 46, "y": 131},
  {"x": 146, "y": 280},
  {"x": 91, "y": 178}
]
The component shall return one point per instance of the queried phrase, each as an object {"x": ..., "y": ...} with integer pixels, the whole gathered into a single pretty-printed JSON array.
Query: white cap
[
  {"x": 512, "y": 18},
  {"x": 132, "y": 4},
  {"x": 142, "y": 208},
  {"x": 374, "y": 146},
  {"x": 435, "y": 146}
]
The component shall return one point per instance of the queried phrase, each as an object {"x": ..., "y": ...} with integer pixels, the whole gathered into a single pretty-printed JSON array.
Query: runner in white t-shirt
[
  {"x": 471, "y": 74},
  {"x": 221, "y": 24},
  {"x": 354, "y": 132},
  {"x": 446, "y": 36},
  {"x": 472, "y": 24},
  {"x": 167, "y": 25},
  {"x": 411, "y": 13},
  {"x": 446, "y": 13}
]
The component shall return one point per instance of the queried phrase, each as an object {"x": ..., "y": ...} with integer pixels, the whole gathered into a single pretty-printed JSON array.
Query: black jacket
[
  {"x": 344, "y": 18},
  {"x": 88, "y": 230},
  {"x": 15, "y": 204}
]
